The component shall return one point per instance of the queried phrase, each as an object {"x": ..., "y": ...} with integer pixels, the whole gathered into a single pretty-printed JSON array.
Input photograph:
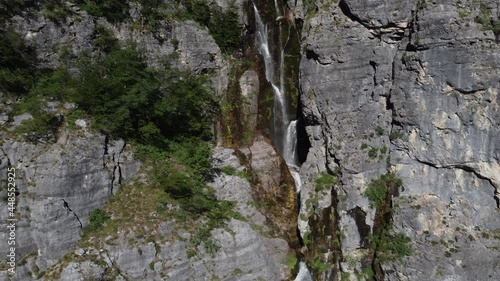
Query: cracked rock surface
[
  {"x": 59, "y": 185},
  {"x": 416, "y": 82}
]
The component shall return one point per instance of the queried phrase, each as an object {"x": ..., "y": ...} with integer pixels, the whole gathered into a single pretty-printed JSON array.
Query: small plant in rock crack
[
  {"x": 391, "y": 247},
  {"x": 324, "y": 181},
  {"x": 378, "y": 189}
]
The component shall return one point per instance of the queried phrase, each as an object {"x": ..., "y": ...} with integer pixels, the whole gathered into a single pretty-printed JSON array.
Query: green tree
[{"x": 17, "y": 63}]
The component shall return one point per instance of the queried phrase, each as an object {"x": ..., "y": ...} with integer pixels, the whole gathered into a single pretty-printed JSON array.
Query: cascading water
[{"x": 285, "y": 130}]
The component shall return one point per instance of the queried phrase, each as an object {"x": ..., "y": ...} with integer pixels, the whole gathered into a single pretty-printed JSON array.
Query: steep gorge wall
[{"x": 409, "y": 87}]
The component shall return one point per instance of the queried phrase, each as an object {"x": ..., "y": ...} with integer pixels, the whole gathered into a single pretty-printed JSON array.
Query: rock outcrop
[
  {"x": 409, "y": 87},
  {"x": 59, "y": 185},
  {"x": 248, "y": 249}
]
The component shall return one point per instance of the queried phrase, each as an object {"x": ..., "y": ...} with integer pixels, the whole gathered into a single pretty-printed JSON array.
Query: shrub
[
  {"x": 222, "y": 24},
  {"x": 373, "y": 152},
  {"x": 487, "y": 20},
  {"x": 291, "y": 261},
  {"x": 17, "y": 63},
  {"x": 383, "y": 150},
  {"x": 228, "y": 170},
  {"x": 130, "y": 101},
  {"x": 395, "y": 135},
  {"x": 379, "y": 130},
  {"x": 97, "y": 218},
  {"x": 105, "y": 41},
  {"x": 309, "y": 6},
  {"x": 378, "y": 190},
  {"x": 225, "y": 29},
  {"x": 56, "y": 10},
  {"x": 324, "y": 181},
  {"x": 391, "y": 247},
  {"x": 112, "y": 10},
  {"x": 10, "y": 8}
]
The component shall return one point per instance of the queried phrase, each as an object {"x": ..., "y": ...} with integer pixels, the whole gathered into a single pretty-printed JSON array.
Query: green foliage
[
  {"x": 71, "y": 116},
  {"x": 291, "y": 261},
  {"x": 197, "y": 10},
  {"x": 317, "y": 263},
  {"x": 56, "y": 10},
  {"x": 391, "y": 247},
  {"x": 307, "y": 239},
  {"x": 379, "y": 130},
  {"x": 309, "y": 6},
  {"x": 97, "y": 218},
  {"x": 112, "y": 10},
  {"x": 17, "y": 63},
  {"x": 373, "y": 152},
  {"x": 383, "y": 150},
  {"x": 152, "y": 12},
  {"x": 222, "y": 24},
  {"x": 368, "y": 272},
  {"x": 487, "y": 20},
  {"x": 225, "y": 29},
  {"x": 395, "y": 135},
  {"x": 130, "y": 101},
  {"x": 105, "y": 41},
  {"x": 228, "y": 170},
  {"x": 10, "y": 8},
  {"x": 364, "y": 146},
  {"x": 324, "y": 181},
  {"x": 378, "y": 189},
  {"x": 217, "y": 218},
  {"x": 42, "y": 126}
]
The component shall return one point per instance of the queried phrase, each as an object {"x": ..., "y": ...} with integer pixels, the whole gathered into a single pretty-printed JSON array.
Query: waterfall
[
  {"x": 285, "y": 136},
  {"x": 285, "y": 130}
]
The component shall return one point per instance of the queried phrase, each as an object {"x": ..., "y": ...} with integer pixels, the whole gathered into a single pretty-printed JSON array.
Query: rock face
[
  {"x": 246, "y": 251},
  {"x": 410, "y": 87},
  {"x": 59, "y": 185},
  {"x": 186, "y": 45},
  {"x": 275, "y": 186}
]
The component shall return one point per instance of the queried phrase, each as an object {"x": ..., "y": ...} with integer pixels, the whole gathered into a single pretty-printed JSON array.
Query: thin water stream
[{"x": 285, "y": 129}]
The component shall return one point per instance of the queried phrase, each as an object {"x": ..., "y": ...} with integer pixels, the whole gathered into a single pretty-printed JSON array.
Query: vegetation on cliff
[{"x": 165, "y": 112}]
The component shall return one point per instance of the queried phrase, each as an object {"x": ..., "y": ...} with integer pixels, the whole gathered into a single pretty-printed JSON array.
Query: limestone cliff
[
  {"x": 408, "y": 87},
  {"x": 398, "y": 94}
]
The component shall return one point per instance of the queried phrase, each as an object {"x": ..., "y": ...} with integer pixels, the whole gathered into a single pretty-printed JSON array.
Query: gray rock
[
  {"x": 17, "y": 120},
  {"x": 425, "y": 73},
  {"x": 59, "y": 185},
  {"x": 249, "y": 85}
]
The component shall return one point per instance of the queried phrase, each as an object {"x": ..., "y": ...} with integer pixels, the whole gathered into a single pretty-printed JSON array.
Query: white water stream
[{"x": 285, "y": 130}]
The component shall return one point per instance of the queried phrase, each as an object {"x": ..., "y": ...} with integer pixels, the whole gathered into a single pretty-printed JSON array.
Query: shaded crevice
[
  {"x": 464, "y": 168},
  {"x": 359, "y": 217},
  {"x": 113, "y": 178},
  {"x": 303, "y": 143},
  {"x": 66, "y": 206},
  {"x": 344, "y": 7},
  {"x": 466, "y": 92},
  {"x": 310, "y": 54},
  {"x": 374, "y": 67},
  {"x": 6, "y": 157},
  {"x": 106, "y": 144}
]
